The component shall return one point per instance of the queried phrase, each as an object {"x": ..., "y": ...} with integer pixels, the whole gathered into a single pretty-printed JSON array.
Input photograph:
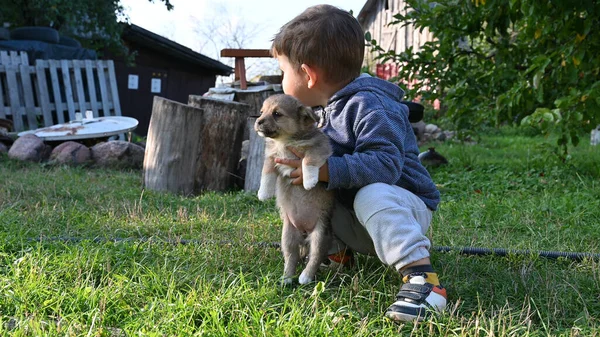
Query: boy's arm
[{"x": 379, "y": 152}]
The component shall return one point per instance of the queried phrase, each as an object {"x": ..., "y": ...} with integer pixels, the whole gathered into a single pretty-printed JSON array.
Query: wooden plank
[
  {"x": 58, "y": 103},
  {"x": 81, "y": 102},
  {"x": 14, "y": 58},
  {"x": 103, "y": 91},
  {"x": 43, "y": 94},
  {"x": 113, "y": 87},
  {"x": 89, "y": 73},
  {"x": 25, "y": 71},
  {"x": 2, "y": 112},
  {"x": 245, "y": 53},
  {"x": 13, "y": 94},
  {"x": 4, "y": 58},
  {"x": 64, "y": 65},
  {"x": 24, "y": 58}
]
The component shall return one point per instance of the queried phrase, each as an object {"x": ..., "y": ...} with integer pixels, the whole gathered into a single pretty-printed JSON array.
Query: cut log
[
  {"x": 221, "y": 136},
  {"x": 255, "y": 159},
  {"x": 173, "y": 141}
]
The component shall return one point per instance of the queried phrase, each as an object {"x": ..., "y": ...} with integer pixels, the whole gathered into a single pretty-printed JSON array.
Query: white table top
[{"x": 85, "y": 129}]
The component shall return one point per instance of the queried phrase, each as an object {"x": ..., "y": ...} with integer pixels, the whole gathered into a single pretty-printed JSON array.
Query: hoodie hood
[{"x": 366, "y": 82}]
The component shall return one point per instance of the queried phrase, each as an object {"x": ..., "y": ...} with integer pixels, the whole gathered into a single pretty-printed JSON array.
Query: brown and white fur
[{"x": 305, "y": 210}]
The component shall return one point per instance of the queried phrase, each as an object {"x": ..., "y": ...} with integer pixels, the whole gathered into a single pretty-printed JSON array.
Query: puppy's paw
[
  {"x": 265, "y": 193},
  {"x": 306, "y": 278},
  {"x": 286, "y": 281},
  {"x": 267, "y": 186},
  {"x": 310, "y": 177}
]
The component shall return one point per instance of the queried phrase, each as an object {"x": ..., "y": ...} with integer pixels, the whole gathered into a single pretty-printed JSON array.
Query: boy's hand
[{"x": 297, "y": 165}]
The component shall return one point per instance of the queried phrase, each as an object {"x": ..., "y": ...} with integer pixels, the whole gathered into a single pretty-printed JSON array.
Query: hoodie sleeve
[{"x": 378, "y": 154}]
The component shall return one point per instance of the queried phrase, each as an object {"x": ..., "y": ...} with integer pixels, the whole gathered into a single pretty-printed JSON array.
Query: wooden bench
[
  {"x": 240, "y": 66},
  {"x": 52, "y": 91}
]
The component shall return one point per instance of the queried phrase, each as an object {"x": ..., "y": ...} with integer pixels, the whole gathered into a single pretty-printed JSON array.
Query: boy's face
[{"x": 295, "y": 82}]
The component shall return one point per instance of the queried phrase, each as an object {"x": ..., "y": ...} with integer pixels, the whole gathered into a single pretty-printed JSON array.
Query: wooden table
[{"x": 240, "y": 66}]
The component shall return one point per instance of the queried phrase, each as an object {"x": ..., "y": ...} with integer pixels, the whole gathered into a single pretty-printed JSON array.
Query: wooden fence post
[{"x": 172, "y": 146}]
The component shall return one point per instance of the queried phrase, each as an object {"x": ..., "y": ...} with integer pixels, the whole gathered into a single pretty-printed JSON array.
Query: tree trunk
[
  {"x": 171, "y": 147},
  {"x": 256, "y": 154},
  {"x": 221, "y": 134}
]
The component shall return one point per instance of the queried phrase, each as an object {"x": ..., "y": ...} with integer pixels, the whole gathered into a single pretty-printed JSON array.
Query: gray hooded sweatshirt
[{"x": 373, "y": 141}]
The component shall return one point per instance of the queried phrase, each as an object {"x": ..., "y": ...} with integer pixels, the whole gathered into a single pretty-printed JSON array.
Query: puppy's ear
[{"x": 308, "y": 114}]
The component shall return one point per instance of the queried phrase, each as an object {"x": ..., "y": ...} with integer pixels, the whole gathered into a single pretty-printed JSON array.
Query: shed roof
[
  {"x": 163, "y": 45},
  {"x": 368, "y": 9}
]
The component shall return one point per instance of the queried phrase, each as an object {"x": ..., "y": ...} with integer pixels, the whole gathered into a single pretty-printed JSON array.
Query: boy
[{"x": 385, "y": 196}]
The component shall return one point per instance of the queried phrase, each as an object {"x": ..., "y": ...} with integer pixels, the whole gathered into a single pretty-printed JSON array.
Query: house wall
[
  {"x": 391, "y": 37},
  {"x": 178, "y": 81}
]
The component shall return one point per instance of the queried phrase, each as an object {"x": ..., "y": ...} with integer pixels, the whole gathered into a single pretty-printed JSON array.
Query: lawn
[{"x": 89, "y": 252}]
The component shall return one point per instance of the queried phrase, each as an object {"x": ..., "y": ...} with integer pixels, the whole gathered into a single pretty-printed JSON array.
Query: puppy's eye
[{"x": 276, "y": 114}]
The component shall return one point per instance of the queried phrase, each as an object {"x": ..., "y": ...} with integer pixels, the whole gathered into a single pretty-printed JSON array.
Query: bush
[{"x": 495, "y": 62}]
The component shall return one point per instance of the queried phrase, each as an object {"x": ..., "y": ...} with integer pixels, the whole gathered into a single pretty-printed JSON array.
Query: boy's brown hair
[{"x": 324, "y": 37}]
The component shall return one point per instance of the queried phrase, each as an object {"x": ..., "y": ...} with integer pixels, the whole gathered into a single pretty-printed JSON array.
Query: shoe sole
[{"x": 398, "y": 317}]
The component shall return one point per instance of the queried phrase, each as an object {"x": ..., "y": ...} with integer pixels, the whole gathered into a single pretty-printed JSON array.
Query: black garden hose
[{"x": 576, "y": 256}]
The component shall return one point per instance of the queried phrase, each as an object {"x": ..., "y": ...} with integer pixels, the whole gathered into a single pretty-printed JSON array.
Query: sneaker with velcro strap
[
  {"x": 417, "y": 300},
  {"x": 341, "y": 260}
]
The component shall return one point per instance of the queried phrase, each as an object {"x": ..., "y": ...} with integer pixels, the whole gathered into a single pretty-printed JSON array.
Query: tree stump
[
  {"x": 255, "y": 159},
  {"x": 221, "y": 136},
  {"x": 172, "y": 146}
]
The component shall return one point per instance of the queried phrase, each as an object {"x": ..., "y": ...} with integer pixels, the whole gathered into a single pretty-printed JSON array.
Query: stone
[
  {"x": 449, "y": 134},
  {"x": 3, "y": 148},
  {"x": 439, "y": 136},
  {"x": 431, "y": 128},
  {"x": 71, "y": 153},
  {"x": 118, "y": 154},
  {"x": 30, "y": 148},
  {"x": 419, "y": 128}
]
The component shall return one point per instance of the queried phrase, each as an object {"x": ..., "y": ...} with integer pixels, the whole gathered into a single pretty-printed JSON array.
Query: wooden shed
[
  {"x": 375, "y": 17},
  {"x": 162, "y": 68}
]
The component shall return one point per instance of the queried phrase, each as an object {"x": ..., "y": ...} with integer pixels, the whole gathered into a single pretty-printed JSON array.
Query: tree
[
  {"x": 95, "y": 23},
  {"x": 220, "y": 28},
  {"x": 523, "y": 62}
]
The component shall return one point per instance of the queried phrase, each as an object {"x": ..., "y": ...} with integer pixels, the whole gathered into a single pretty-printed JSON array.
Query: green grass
[{"x": 504, "y": 192}]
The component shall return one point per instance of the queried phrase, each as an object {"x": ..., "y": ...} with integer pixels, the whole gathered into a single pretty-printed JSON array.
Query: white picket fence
[{"x": 51, "y": 91}]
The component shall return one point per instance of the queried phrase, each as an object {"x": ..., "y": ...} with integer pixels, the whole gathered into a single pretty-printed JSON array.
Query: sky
[{"x": 260, "y": 19}]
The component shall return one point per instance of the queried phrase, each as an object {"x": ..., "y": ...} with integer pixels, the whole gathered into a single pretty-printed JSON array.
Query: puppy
[{"x": 305, "y": 210}]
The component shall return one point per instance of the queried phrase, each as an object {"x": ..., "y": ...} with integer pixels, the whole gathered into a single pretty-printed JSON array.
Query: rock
[
  {"x": 431, "y": 128},
  {"x": 449, "y": 134},
  {"x": 419, "y": 128},
  {"x": 71, "y": 153},
  {"x": 439, "y": 136},
  {"x": 118, "y": 154},
  {"x": 3, "y": 148},
  {"x": 31, "y": 148}
]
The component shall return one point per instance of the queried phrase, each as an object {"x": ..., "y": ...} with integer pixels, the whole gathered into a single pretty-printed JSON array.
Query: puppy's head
[{"x": 283, "y": 116}]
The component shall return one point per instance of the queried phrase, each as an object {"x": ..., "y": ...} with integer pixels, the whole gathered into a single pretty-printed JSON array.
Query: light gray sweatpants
[{"x": 387, "y": 221}]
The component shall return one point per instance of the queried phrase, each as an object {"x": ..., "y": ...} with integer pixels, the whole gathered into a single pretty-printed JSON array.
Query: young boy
[{"x": 385, "y": 196}]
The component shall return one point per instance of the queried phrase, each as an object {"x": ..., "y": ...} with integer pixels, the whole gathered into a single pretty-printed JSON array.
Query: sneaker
[
  {"x": 340, "y": 260},
  {"x": 416, "y": 300}
]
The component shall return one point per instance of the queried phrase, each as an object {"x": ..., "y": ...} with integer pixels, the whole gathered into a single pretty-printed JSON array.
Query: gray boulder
[
  {"x": 71, "y": 153},
  {"x": 118, "y": 154},
  {"x": 30, "y": 148},
  {"x": 3, "y": 148}
]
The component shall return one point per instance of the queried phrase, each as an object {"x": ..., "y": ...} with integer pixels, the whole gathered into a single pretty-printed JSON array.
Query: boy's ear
[
  {"x": 308, "y": 114},
  {"x": 311, "y": 73}
]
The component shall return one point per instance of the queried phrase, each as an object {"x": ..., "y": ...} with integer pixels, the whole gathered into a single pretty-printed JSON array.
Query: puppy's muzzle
[{"x": 264, "y": 130}]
